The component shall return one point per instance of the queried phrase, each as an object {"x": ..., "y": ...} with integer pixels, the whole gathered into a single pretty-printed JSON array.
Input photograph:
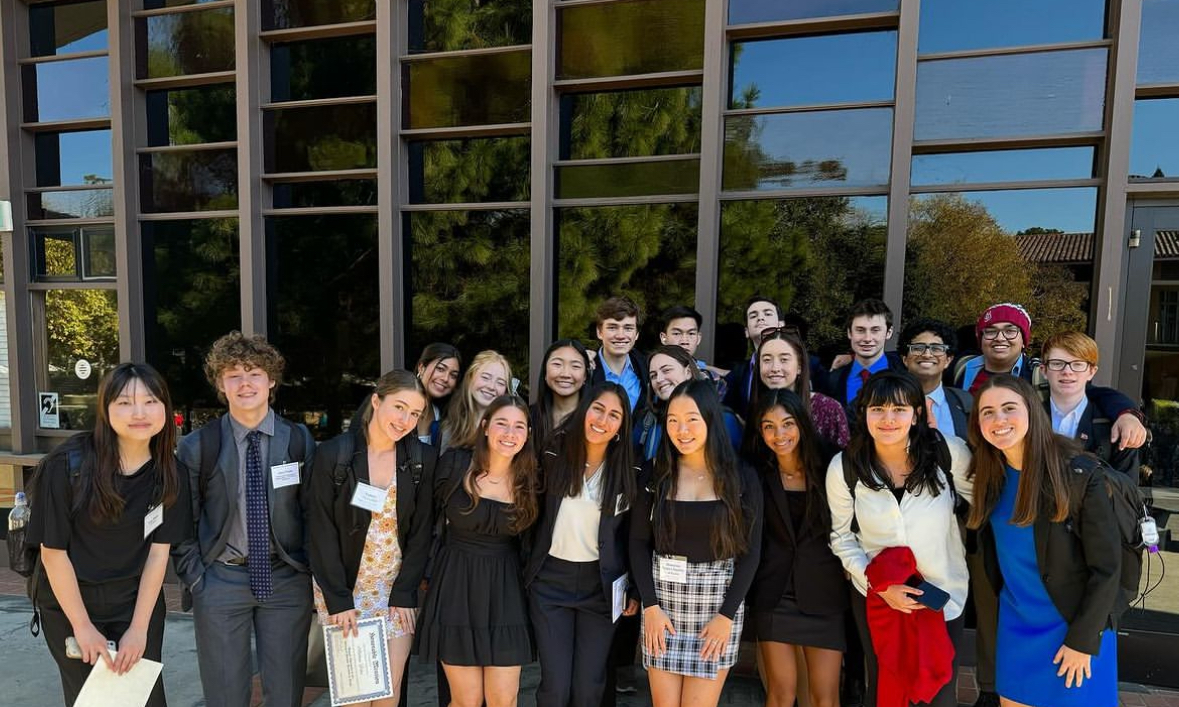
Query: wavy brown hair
[
  {"x": 524, "y": 508},
  {"x": 391, "y": 382}
]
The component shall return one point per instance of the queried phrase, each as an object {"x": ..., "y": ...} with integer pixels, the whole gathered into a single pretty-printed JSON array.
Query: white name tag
[
  {"x": 369, "y": 497},
  {"x": 153, "y": 520},
  {"x": 673, "y": 568},
  {"x": 283, "y": 475}
]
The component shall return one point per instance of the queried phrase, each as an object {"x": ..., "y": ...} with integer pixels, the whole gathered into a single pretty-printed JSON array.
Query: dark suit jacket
[
  {"x": 211, "y": 511},
  {"x": 1095, "y": 440},
  {"x": 837, "y": 381},
  {"x": 639, "y": 363},
  {"x": 960, "y": 403}
]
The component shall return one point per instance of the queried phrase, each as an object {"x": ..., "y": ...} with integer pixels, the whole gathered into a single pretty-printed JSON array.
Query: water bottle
[
  {"x": 19, "y": 517},
  {"x": 19, "y": 560}
]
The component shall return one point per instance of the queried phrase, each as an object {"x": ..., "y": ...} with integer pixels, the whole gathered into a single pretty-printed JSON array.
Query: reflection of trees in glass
[
  {"x": 324, "y": 68},
  {"x": 197, "y": 180},
  {"x": 82, "y": 324},
  {"x": 448, "y": 25},
  {"x": 484, "y": 89},
  {"x": 190, "y": 43},
  {"x": 281, "y": 14},
  {"x": 320, "y": 138},
  {"x": 192, "y": 116},
  {"x": 623, "y": 38},
  {"x": 467, "y": 171},
  {"x": 661, "y": 121}
]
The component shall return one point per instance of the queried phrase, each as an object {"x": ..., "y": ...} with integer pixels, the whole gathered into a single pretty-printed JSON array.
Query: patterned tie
[
  {"x": 257, "y": 521},
  {"x": 930, "y": 415}
]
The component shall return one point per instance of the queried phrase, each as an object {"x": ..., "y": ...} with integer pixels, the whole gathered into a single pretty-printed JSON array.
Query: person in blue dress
[{"x": 1051, "y": 544}]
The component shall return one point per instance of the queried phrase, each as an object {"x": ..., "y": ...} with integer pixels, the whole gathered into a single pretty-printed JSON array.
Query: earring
[{"x": 617, "y": 437}]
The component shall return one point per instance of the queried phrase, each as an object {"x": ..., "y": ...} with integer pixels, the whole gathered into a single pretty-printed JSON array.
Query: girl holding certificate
[
  {"x": 475, "y": 616},
  {"x": 579, "y": 553},
  {"x": 369, "y": 512},
  {"x": 105, "y": 515}
]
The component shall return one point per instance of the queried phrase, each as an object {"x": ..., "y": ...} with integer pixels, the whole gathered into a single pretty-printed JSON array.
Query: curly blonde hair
[{"x": 237, "y": 349}]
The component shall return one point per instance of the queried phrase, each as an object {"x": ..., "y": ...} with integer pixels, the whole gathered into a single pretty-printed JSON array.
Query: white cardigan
[{"x": 924, "y": 523}]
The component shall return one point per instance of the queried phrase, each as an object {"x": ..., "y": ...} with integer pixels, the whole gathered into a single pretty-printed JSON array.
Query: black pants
[
  {"x": 111, "y": 608},
  {"x": 986, "y": 614},
  {"x": 571, "y": 619},
  {"x": 946, "y": 697}
]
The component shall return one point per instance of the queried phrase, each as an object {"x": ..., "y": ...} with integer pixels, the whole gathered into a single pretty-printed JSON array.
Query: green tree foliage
[
  {"x": 190, "y": 43},
  {"x": 450, "y": 25},
  {"x": 78, "y": 323}
]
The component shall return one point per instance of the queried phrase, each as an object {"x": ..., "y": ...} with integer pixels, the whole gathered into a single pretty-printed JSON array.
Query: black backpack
[
  {"x": 347, "y": 450},
  {"x": 209, "y": 437}
]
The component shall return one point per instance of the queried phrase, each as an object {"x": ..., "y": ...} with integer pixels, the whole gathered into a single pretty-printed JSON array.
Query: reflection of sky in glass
[
  {"x": 84, "y": 153},
  {"x": 72, "y": 89},
  {"x": 1068, "y": 210},
  {"x": 992, "y": 96},
  {"x": 743, "y": 11},
  {"x": 1003, "y": 166},
  {"x": 951, "y": 25},
  {"x": 1155, "y": 141},
  {"x": 1158, "y": 50},
  {"x": 839, "y": 68}
]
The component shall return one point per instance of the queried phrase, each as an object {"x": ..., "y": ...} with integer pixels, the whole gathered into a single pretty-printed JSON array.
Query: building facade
[{"x": 357, "y": 178}]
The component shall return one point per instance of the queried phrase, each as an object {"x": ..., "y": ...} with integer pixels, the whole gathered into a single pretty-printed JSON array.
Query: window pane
[
  {"x": 815, "y": 256},
  {"x": 187, "y": 43},
  {"x": 468, "y": 24},
  {"x": 321, "y": 138},
  {"x": 790, "y": 150},
  {"x": 88, "y": 203},
  {"x": 64, "y": 28},
  {"x": 98, "y": 252},
  {"x": 969, "y": 250},
  {"x": 78, "y": 324},
  {"x": 618, "y": 39},
  {"x": 1158, "y": 52},
  {"x": 468, "y": 282},
  {"x": 191, "y": 296},
  {"x": 67, "y": 90},
  {"x": 1154, "y": 147},
  {"x": 838, "y": 68},
  {"x": 948, "y": 26},
  {"x": 746, "y": 11},
  {"x": 201, "y": 180},
  {"x": 344, "y": 192},
  {"x": 283, "y": 14},
  {"x": 1004, "y": 166},
  {"x": 468, "y": 90},
  {"x": 628, "y": 179},
  {"x": 659, "y": 121},
  {"x": 650, "y": 256},
  {"x": 159, "y": 4},
  {"x": 55, "y": 254},
  {"x": 70, "y": 159},
  {"x": 329, "y": 332},
  {"x": 191, "y": 116},
  {"x": 467, "y": 171},
  {"x": 323, "y": 68},
  {"x": 992, "y": 96}
]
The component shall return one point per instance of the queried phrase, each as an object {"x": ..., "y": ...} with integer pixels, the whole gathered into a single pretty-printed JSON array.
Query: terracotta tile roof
[{"x": 1078, "y": 247}]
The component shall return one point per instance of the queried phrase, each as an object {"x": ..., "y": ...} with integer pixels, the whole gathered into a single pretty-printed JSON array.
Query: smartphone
[{"x": 932, "y": 596}]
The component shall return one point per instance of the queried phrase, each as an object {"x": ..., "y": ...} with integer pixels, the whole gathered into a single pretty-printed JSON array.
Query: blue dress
[{"x": 1031, "y": 630}]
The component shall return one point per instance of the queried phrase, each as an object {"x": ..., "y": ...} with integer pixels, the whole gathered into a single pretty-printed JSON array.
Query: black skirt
[{"x": 786, "y": 623}]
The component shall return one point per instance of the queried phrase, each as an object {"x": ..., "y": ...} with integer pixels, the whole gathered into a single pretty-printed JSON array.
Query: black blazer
[
  {"x": 819, "y": 583},
  {"x": 837, "y": 380},
  {"x": 337, "y": 529},
  {"x": 1095, "y": 439},
  {"x": 1080, "y": 559},
  {"x": 613, "y": 533},
  {"x": 960, "y": 403},
  {"x": 638, "y": 362}
]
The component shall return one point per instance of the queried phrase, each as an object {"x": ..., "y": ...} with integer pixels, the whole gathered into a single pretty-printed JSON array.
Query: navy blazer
[
  {"x": 1096, "y": 441},
  {"x": 960, "y": 403}
]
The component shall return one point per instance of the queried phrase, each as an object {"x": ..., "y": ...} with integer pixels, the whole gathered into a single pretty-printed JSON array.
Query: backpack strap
[
  {"x": 74, "y": 467},
  {"x": 209, "y": 437},
  {"x": 960, "y": 369},
  {"x": 343, "y": 466},
  {"x": 850, "y": 478}
]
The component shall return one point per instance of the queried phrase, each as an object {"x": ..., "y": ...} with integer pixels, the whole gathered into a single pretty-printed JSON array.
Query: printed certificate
[{"x": 358, "y": 666}]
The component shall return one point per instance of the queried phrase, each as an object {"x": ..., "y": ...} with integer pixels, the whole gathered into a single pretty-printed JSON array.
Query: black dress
[{"x": 475, "y": 612}]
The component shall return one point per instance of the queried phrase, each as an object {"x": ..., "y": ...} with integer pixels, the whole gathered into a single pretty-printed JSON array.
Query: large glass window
[
  {"x": 323, "y": 68},
  {"x": 952, "y": 26},
  {"x": 468, "y": 24},
  {"x": 469, "y": 171},
  {"x": 618, "y": 38},
  {"x": 67, "y": 90},
  {"x": 324, "y": 314},
  {"x": 1154, "y": 147},
  {"x": 1011, "y": 95},
  {"x": 628, "y": 178},
  {"x": 339, "y": 192},
  {"x": 332, "y": 137},
  {"x": 187, "y": 43},
  {"x": 73, "y": 159},
  {"x": 191, "y": 296},
  {"x": 78, "y": 325},
  {"x": 285, "y": 14},
  {"x": 839, "y": 68},
  {"x": 197, "y": 180},
  {"x": 638, "y": 123},
  {"x": 73, "y": 254},
  {"x": 747, "y": 11},
  {"x": 1004, "y": 165},
  {"x": 190, "y": 116},
  {"x": 1158, "y": 52},
  {"x": 65, "y": 28},
  {"x": 485, "y": 89},
  {"x": 82, "y": 203}
]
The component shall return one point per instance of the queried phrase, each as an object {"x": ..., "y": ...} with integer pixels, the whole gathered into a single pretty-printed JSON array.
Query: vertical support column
[
  {"x": 253, "y": 195},
  {"x": 1108, "y": 302},
  {"x": 714, "y": 88},
  {"x": 391, "y": 168},
  {"x": 904, "y": 109},
  {"x": 542, "y": 293},
  {"x": 128, "y": 124}
]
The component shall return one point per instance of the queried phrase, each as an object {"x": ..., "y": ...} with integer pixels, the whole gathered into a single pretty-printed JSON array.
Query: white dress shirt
[{"x": 1066, "y": 423}]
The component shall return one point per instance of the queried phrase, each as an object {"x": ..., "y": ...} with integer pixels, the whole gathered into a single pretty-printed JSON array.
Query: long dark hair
[
  {"x": 431, "y": 356},
  {"x": 543, "y": 426},
  {"x": 568, "y": 476},
  {"x": 810, "y": 452},
  {"x": 101, "y": 450},
  {"x": 730, "y": 534},
  {"x": 525, "y": 508},
  {"x": 1043, "y": 480},
  {"x": 802, "y": 383},
  {"x": 894, "y": 388}
]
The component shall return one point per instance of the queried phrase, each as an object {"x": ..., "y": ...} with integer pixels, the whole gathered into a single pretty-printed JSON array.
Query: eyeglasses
[
  {"x": 1059, "y": 364},
  {"x": 992, "y": 333},
  {"x": 936, "y": 350}
]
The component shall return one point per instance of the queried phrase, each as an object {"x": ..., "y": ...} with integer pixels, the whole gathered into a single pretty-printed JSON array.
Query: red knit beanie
[{"x": 1006, "y": 313}]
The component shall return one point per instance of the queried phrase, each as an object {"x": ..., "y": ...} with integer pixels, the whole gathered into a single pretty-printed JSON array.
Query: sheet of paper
[
  {"x": 358, "y": 666},
  {"x": 104, "y": 688},
  {"x": 618, "y": 590}
]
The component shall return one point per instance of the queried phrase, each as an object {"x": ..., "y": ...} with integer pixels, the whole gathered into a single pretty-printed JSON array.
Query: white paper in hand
[{"x": 105, "y": 688}]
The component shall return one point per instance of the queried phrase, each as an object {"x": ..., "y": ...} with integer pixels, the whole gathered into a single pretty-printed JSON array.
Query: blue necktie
[{"x": 257, "y": 521}]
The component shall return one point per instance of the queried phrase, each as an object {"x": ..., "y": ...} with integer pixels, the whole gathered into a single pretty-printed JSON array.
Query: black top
[
  {"x": 102, "y": 551},
  {"x": 693, "y": 539},
  {"x": 796, "y": 502}
]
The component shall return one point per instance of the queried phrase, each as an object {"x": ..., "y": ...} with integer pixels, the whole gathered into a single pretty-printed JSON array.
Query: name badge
[
  {"x": 283, "y": 475},
  {"x": 369, "y": 497},
  {"x": 673, "y": 568},
  {"x": 621, "y": 505},
  {"x": 153, "y": 520}
]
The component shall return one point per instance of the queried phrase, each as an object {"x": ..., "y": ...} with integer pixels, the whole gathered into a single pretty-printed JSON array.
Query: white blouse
[
  {"x": 923, "y": 522},
  {"x": 575, "y": 531}
]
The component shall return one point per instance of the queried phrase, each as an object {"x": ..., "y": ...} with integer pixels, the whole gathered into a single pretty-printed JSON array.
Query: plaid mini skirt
[{"x": 690, "y": 605}]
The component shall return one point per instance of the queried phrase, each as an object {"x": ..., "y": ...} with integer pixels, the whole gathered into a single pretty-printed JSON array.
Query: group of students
[{"x": 653, "y": 486}]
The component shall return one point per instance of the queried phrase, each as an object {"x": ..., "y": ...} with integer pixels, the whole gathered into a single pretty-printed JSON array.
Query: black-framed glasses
[
  {"x": 1059, "y": 364},
  {"x": 936, "y": 350},
  {"x": 992, "y": 333}
]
